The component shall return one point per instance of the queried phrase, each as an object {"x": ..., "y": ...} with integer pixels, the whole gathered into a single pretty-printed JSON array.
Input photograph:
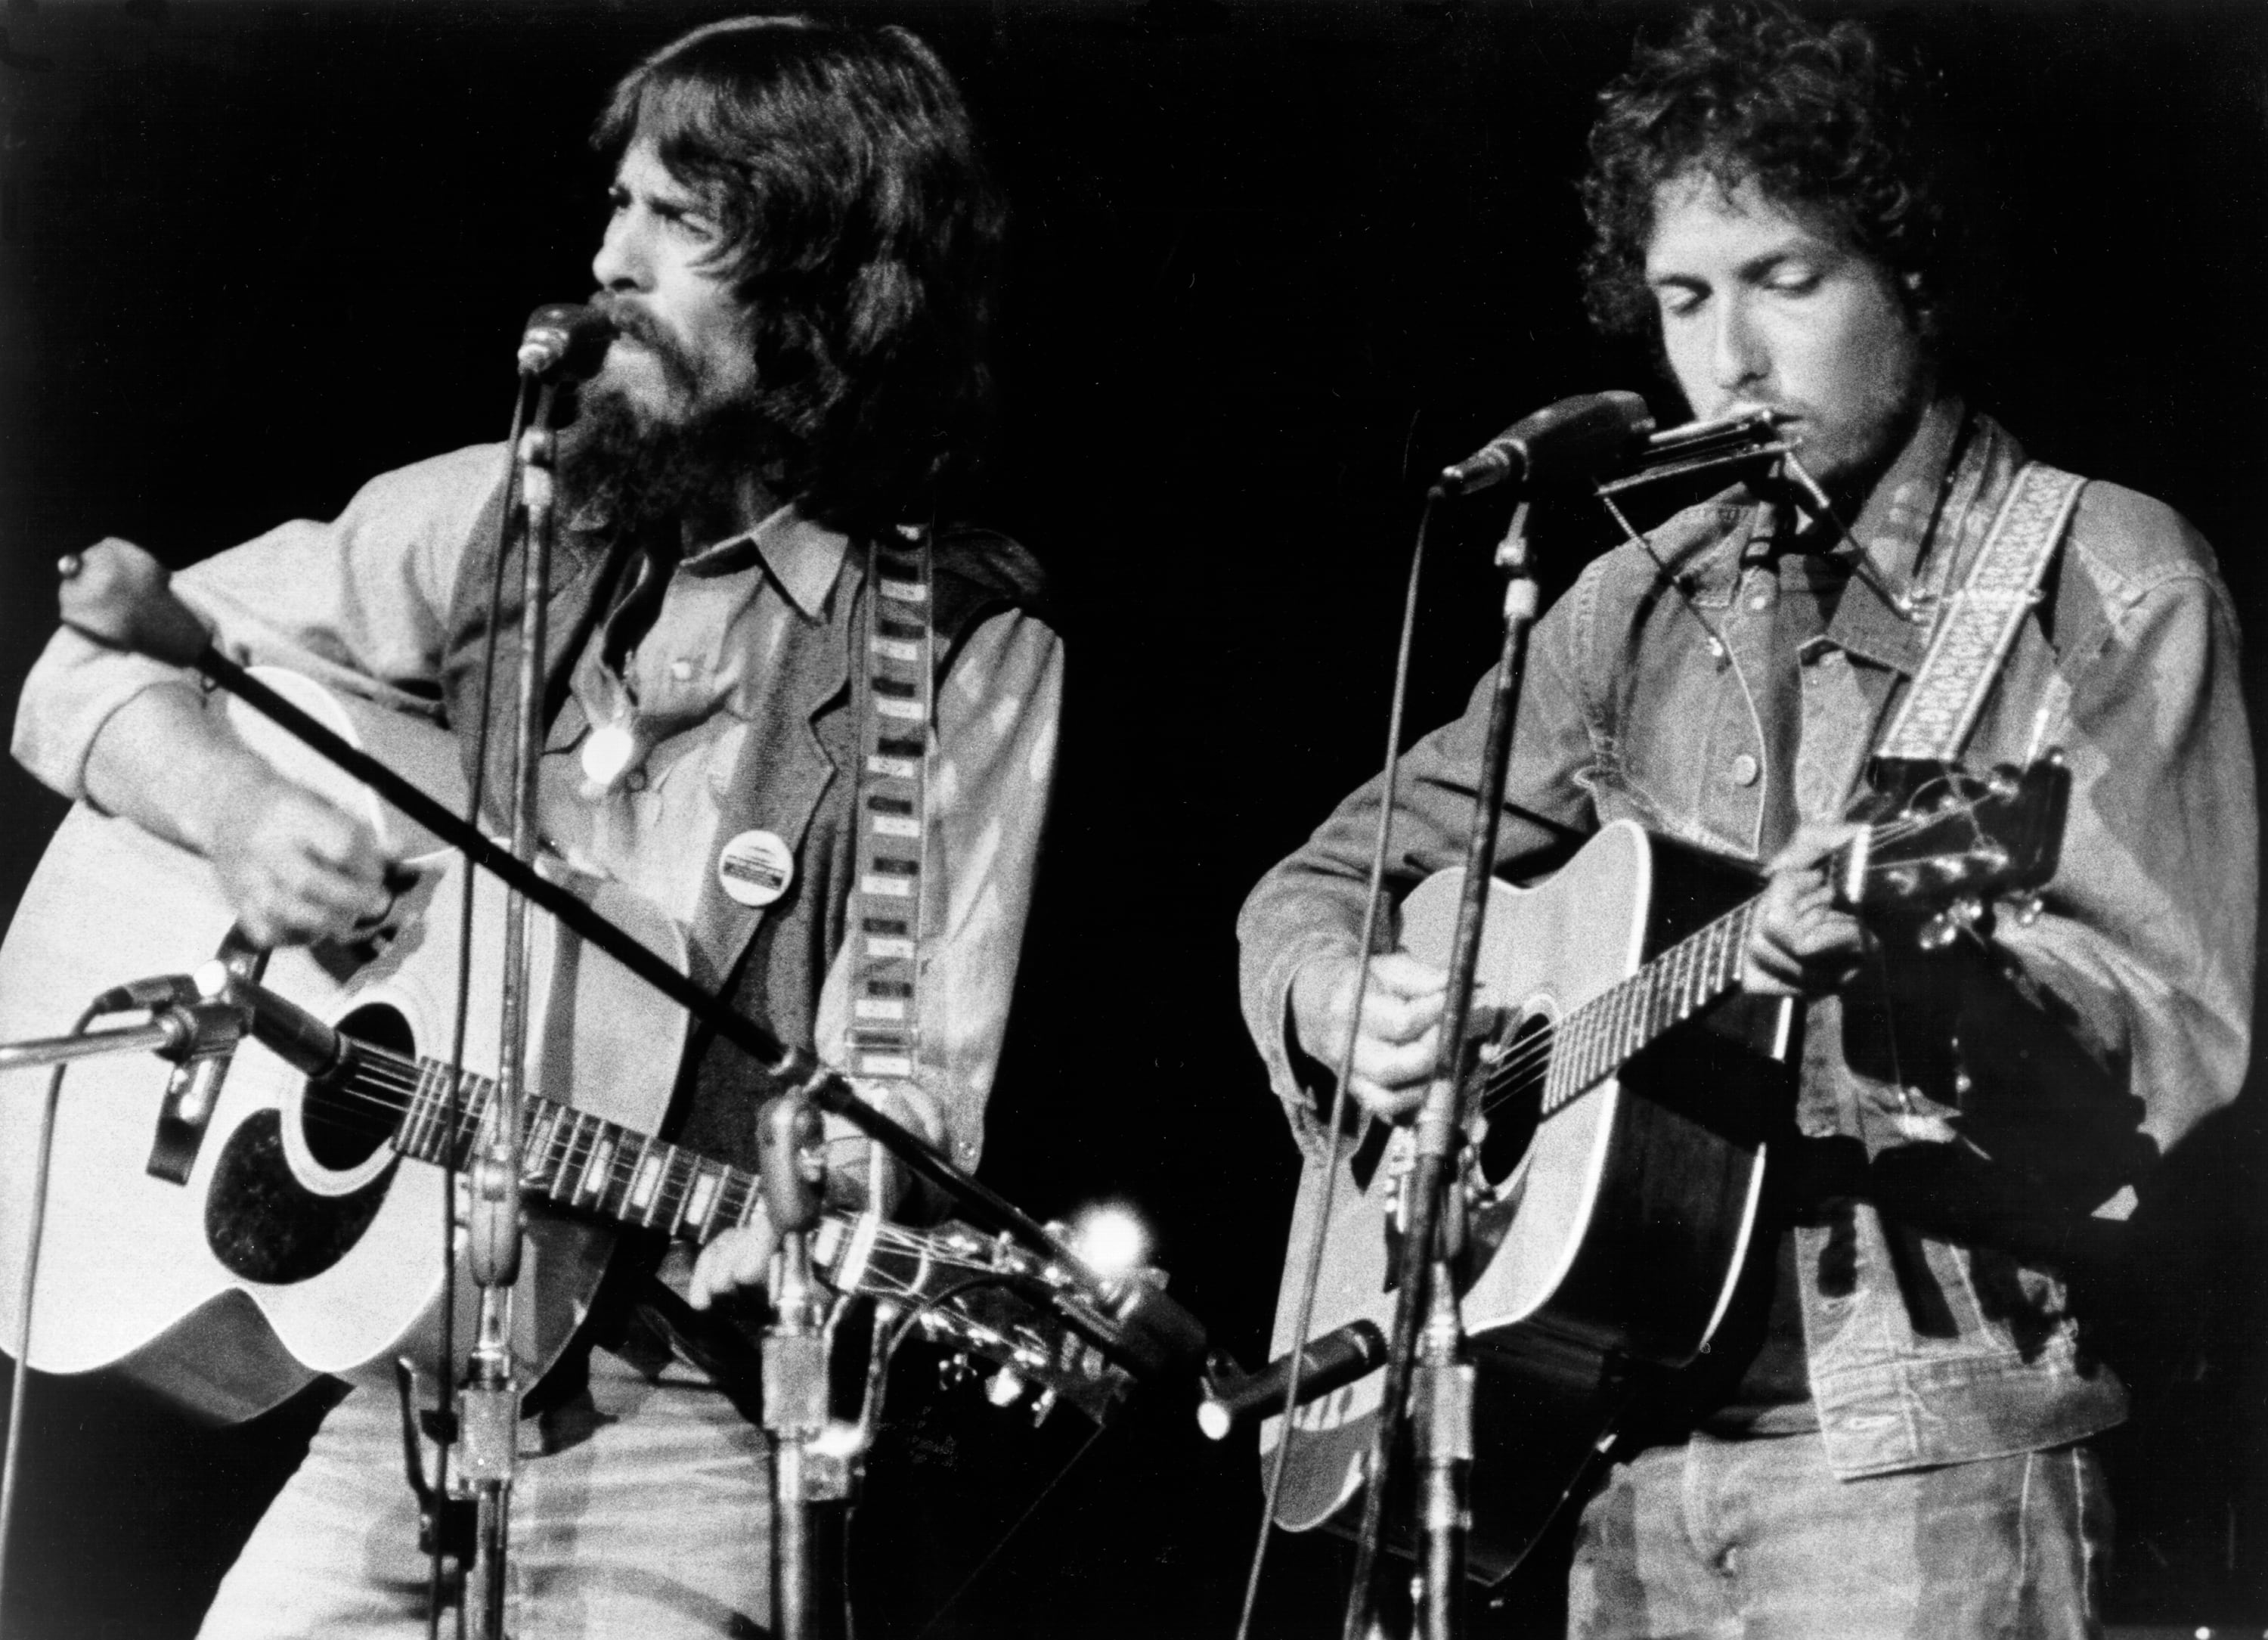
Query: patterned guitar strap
[
  {"x": 1977, "y": 625},
  {"x": 896, "y": 677}
]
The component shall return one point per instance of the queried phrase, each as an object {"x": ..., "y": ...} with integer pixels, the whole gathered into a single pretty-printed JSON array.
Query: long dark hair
[{"x": 861, "y": 228}]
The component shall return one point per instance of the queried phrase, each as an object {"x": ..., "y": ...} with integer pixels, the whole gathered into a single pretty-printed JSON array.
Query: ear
[{"x": 1921, "y": 311}]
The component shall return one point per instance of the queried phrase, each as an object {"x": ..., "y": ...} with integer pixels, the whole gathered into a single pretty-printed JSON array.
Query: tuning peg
[
  {"x": 1957, "y": 919},
  {"x": 1005, "y": 1386},
  {"x": 1042, "y": 1405}
]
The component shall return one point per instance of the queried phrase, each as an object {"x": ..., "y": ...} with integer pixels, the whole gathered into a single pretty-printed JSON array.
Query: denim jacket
[{"x": 1961, "y": 1120}]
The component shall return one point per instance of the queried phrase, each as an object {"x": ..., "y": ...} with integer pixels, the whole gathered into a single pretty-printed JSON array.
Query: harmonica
[{"x": 1699, "y": 446}]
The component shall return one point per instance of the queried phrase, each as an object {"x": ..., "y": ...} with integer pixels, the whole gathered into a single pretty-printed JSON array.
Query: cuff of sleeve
[
  {"x": 74, "y": 689},
  {"x": 1270, "y": 1019}
]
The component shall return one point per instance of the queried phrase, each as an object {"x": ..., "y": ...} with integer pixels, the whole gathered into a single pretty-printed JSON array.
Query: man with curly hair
[
  {"x": 797, "y": 265},
  {"x": 1887, "y": 1435}
]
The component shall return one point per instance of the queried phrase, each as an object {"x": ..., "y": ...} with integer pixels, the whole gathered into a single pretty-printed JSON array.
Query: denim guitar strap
[
  {"x": 896, "y": 677},
  {"x": 1976, "y": 625}
]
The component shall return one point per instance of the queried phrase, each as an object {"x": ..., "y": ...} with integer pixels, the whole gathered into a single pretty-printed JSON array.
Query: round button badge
[{"x": 755, "y": 867}]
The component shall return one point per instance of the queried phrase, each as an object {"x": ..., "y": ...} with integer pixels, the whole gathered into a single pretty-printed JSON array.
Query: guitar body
[
  {"x": 1606, "y": 1235},
  {"x": 299, "y": 1241}
]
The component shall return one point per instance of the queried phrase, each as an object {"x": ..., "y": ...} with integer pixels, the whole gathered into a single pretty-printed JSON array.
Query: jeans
[
  {"x": 1757, "y": 1539},
  {"x": 641, "y": 1506}
]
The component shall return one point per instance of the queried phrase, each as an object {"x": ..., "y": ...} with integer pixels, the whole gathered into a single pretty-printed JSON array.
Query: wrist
[
  {"x": 237, "y": 788},
  {"x": 1316, "y": 1000}
]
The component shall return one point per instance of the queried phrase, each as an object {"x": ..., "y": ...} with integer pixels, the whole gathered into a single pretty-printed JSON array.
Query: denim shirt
[{"x": 1964, "y": 1123}]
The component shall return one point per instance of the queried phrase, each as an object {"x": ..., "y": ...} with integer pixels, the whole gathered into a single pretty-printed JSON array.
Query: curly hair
[
  {"x": 1815, "y": 117},
  {"x": 863, "y": 232}
]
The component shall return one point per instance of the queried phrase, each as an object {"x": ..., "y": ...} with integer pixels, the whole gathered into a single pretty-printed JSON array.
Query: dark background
[{"x": 1269, "y": 259}]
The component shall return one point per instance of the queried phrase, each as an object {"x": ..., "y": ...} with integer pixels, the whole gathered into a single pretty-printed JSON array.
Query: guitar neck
[
  {"x": 1608, "y": 1029},
  {"x": 951, "y": 1278},
  {"x": 581, "y": 1161}
]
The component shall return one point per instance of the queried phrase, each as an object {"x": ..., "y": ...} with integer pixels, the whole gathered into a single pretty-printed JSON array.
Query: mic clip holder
[{"x": 200, "y": 1067}]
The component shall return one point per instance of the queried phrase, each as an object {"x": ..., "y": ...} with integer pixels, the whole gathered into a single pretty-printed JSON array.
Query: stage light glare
[{"x": 1111, "y": 1240}]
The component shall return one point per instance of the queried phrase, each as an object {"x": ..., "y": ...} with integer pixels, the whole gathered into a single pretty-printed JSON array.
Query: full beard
[{"x": 634, "y": 471}]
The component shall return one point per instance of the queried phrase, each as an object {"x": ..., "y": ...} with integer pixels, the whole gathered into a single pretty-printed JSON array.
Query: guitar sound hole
[
  {"x": 345, "y": 1120},
  {"x": 1515, "y": 1077}
]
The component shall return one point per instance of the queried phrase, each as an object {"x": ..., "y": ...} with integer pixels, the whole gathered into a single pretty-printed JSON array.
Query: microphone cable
[
  {"x": 21, "y": 1379},
  {"x": 1311, "y": 1272}
]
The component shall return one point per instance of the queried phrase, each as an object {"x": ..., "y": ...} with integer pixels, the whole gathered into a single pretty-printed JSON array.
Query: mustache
[{"x": 641, "y": 327}]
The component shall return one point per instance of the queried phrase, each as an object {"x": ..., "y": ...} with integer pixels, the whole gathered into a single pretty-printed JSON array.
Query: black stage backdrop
[{"x": 1269, "y": 261}]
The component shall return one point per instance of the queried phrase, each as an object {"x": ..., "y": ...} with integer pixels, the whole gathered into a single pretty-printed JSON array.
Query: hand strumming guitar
[
  {"x": 298, "y": 870},
  {"x": 295, "y": 868},
  {"x": 1400, "y": 1037}
]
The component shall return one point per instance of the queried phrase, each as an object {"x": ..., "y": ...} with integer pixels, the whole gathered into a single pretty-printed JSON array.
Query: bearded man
[
  {"x": 1888, "y": 1437},
  {"x": 797, "y": 266}
]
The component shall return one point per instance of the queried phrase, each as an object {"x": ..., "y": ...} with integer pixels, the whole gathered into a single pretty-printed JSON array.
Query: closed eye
[{"x": 1678, "y": 301}]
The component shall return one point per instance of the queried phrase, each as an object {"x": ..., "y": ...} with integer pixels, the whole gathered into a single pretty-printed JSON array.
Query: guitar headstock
[
  {"x": 983, "y": 1298},
  {"x": 1940, "y": 834}
]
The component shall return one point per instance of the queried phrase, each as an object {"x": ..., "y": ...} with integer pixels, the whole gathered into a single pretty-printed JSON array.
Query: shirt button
[
  {"x": 1761, "y": 602},
  {"x": 681, "y": 669},
  {"x": 635, "y": 780},
  {"x": 1744, "y": 770}
]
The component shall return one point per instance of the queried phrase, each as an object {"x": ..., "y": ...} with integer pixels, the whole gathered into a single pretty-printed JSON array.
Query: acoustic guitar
[
  {"x": 297, "y": 1230},
  {"x": 1614, "y": 1172}
]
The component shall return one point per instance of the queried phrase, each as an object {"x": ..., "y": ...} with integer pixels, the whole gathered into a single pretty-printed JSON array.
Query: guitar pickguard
[{"x": 263, "y": 1225}]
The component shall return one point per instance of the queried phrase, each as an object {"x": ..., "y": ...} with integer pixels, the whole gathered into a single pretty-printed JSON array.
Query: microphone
[
  {"x": 1573, "y": 439},
  {"x": 1338, "y": 1357},
  {"x": 564, "y": 341},
  {"x": 284, "y": 1028}
]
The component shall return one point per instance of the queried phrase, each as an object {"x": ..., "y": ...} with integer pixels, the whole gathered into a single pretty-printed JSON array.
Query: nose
[
  {"x": 1738, "y": 357},
  {"x": 621, "y": 263}
]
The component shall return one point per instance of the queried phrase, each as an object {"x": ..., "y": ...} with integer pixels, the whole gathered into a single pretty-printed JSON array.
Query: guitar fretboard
[
  {"x": 600, "y": 1167},
  {"x": 1604, "y": 1032},
  {"x": 583, "y": 1162}
]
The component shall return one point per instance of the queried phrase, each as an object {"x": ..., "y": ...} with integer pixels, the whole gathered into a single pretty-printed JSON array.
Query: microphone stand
[
  {"x": 489, "y": 1402},
  {"x": 1431, "y": 1389},
  {"x": 793, "y": 1168},
  {"x": 183, "y": 1033}
]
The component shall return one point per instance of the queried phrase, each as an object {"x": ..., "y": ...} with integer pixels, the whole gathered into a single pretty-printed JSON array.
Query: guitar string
[
  {"x": 933, "y": 1253},
  {"x": 1527, "y": 1068},
  {"x": 1540, "y": 1045},
  {"x": 383, "y": 1076},
  {"x": 1890, "y": 832}
]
